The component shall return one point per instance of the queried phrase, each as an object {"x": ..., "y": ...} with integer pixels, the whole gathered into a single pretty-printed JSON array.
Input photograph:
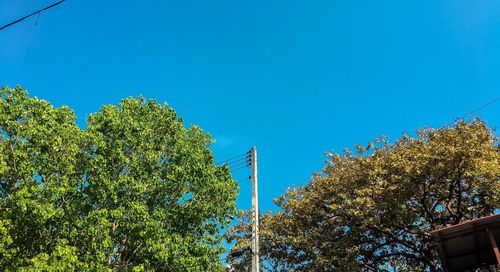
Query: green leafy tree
[
  {"x": 372, "y": 210},
  {"x": 134, "y": 191}
]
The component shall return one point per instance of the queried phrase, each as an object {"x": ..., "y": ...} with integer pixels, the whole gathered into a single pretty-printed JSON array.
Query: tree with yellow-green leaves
[
  {"x": 134, "y": 191},
  {"x": 373, "y": 209}
]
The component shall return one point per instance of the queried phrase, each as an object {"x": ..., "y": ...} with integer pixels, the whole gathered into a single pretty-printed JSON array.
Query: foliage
[
  {"x": 372, "y": 210},
  {"x": 134, "y": 191},
  {"x": 492, "y": 268}
]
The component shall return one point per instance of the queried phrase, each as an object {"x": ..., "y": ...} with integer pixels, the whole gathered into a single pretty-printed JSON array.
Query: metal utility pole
[{"x": 255, "y": 214}]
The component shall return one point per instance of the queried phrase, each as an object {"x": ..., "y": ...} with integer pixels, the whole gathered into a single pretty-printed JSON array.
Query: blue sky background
[{"x": 294, "y": 78}]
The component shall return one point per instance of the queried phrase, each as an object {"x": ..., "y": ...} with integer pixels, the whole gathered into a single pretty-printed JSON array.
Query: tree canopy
[
  {"x": 135, "y": 190},
  {"x": 373, "y": 209}
]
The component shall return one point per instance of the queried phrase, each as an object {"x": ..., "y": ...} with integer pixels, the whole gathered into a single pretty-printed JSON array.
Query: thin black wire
[
  {"x": 475, "y": 110},
  {"x": 236, "y": 157},
  {"x": 234, "y": 163},
  {"x": 482, "y": 107},
  {"x": 243, "y": 167},
  {"x": 239, "y": 168},
  {"x": 236, "y": 170},
  {"x": 327, "y": 216},
  {"x": 31, "y": 14},
  {"x": 240, "y": 162},
  {"x": 243, "y": 158},
  {"x": 37, "y": 18},
  {"x": 247, "y": 163}
]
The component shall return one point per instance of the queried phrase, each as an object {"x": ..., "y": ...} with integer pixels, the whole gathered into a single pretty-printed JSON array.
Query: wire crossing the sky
[
  {"x": 481, "y": 107},
  {"x": 475, "y": 110},
  {"x": 237, "y": 158},
  {"x": 246, "y": 162},
  {"x": 31, "y": 14},
  {"x": 238, "y": 162}
]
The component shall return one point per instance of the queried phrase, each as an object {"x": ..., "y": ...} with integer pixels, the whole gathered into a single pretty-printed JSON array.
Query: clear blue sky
[{"x": 294, "y": 78}]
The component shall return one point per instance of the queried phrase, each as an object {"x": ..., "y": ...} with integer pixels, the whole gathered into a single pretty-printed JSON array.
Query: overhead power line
[
  {"x": 237, "y": 169},
  {"x": 236, "y": 158},
  {"x": 481, "y": 107},
  {"x": 475, "y": 110},
  {"x": 31, "y": 14},
  {"x": 247, "y": 163}
]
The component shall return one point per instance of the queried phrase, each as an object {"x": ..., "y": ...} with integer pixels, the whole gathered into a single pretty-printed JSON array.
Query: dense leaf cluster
[
  {"x": 372, "y": 210},
  {"x": 135, "y": 190}
]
